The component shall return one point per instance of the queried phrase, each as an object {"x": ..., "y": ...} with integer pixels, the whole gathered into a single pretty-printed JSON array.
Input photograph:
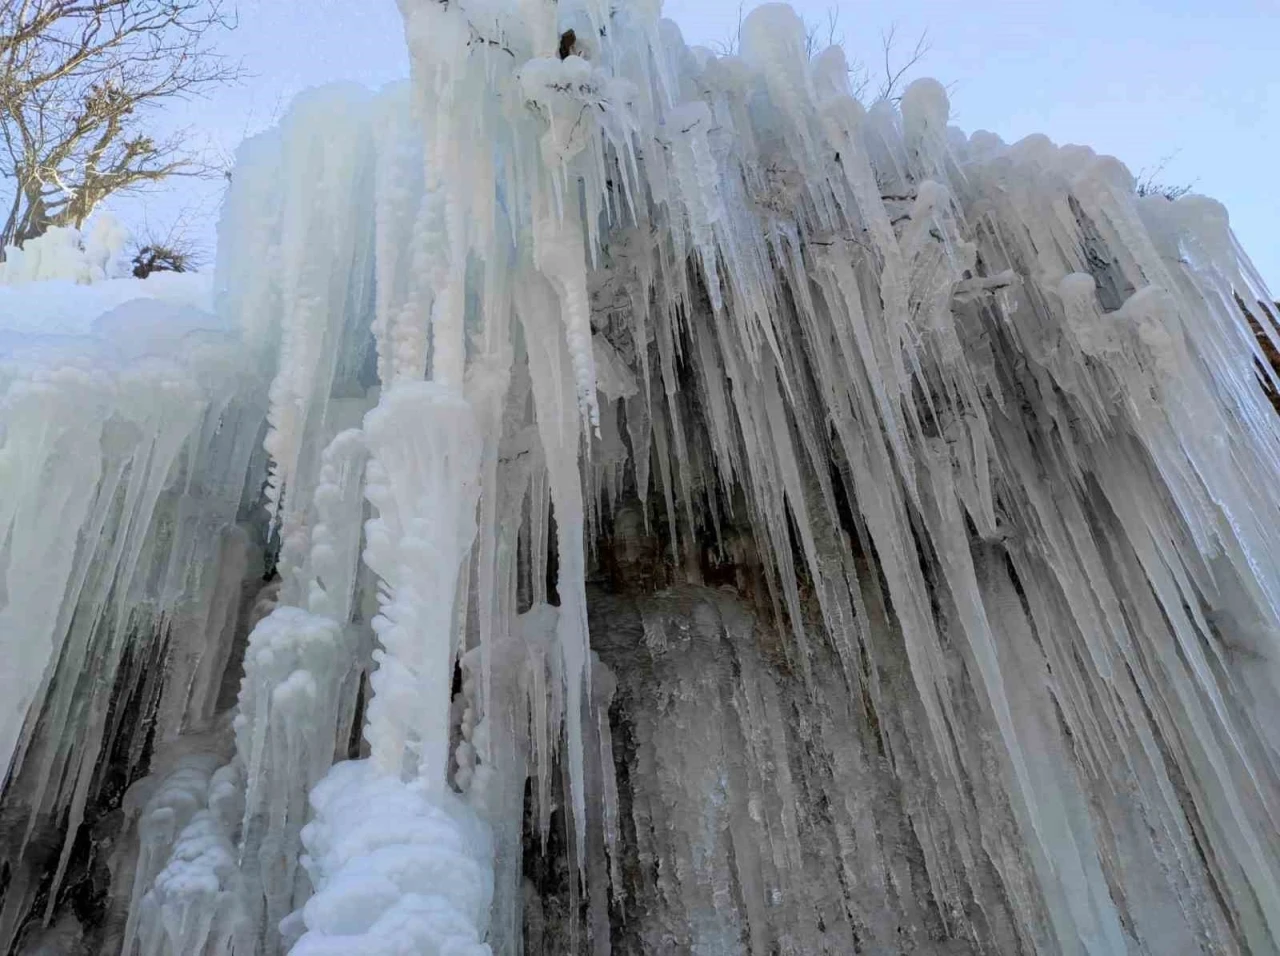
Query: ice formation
[
  {"x": 624, "y": 498},
  {"x": 68, "y": 254}
]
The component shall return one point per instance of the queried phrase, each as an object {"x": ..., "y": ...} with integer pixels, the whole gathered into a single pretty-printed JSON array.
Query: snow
[
  {"x": 68, "y": 254},
  {"x": 413, "y": 877},
  {"x": 65, "y": 307},
  {"x": 950, "y": 628}
]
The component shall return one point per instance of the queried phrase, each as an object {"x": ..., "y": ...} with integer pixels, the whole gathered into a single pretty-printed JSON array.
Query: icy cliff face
[{"x": 625, "y": 498}]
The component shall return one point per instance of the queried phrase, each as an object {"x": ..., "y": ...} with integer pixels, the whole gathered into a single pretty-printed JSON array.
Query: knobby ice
[{"x": 621, "y": 498}]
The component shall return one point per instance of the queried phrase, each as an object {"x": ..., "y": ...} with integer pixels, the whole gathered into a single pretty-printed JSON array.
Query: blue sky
[{"x": 1193, "y": 82}]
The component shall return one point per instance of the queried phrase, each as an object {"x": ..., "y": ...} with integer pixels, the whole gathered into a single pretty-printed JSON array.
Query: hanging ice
[{"x": 627, "y": 498}]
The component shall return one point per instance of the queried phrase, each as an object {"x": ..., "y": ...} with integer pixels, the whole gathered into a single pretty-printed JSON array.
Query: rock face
[
  {"x": 757, "y": 812},
  {"x": 629, "y": 499}
]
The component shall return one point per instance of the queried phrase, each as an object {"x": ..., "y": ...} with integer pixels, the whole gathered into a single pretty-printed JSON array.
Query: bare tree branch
[
  {"x": 733, "y": 45},
  {"x": 77, "y": 80},
  {"x": 1150, "y": 181},
  {"x": 893, "y": 75},
  {"x": 819, "y": 36}
]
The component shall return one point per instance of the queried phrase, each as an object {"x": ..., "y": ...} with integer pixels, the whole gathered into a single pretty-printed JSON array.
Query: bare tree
[
  {"x": 896, "y": 67},
  {"x": 733, "y": 45},
  {"x": 77, "y": 80},
  {"x": 150, "y": 257},
  {"x": 172, "y": 249},
  {"x": 819, "y": 36}
]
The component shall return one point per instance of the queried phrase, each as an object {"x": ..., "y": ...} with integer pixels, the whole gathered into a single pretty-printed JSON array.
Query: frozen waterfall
[{"x": 619, "y": 498}]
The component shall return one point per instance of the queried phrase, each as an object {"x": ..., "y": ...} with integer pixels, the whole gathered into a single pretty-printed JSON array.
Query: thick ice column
[
  {"x": 417, "y": 874},
  {"x": 496, "y": 757},
  {"x": 335, "y": 539},
  {"x": 423, "y": 479},
  {"x": 560, "y": 254},
  {"x": 302, "y": 207},
  {"x": 405, "y": 249},
  {"x": 289, "y": 702},
  {"x": 458, "y": 55}
]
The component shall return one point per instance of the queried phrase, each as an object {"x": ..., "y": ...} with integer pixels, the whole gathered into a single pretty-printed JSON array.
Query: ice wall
[
  {"x": 979, "y": 440},
  {"x": 124, "y": 448}
]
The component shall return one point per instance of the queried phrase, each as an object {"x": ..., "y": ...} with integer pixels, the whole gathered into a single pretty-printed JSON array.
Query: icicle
[
  {"x": 423, "y": 481},
  {"x": 979, "y": 437},
  {"x": 560, "y": 256},
  {"x": 328, "y": 143},
  {"x": 558, "y": 424},
  {"x": 285, "y": 728},
  {"x": 335, "y": 539}
]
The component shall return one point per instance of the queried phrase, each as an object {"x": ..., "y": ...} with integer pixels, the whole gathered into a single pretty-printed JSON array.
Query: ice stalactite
[
  {"x": 560, "y": 430},
  {"x": 195, "y": 904},
  {"x": 137, "y": 436},
  {"x": 697, "y": 511},
  {"x": 286, "y": 728},
  {"x": 30, "y": 441},
  {"x": 416, "y": 877},
  {"x": 175, "y": 803},
  {"x": 305, "y": 303},
  {"x": 423, "y": 481}
]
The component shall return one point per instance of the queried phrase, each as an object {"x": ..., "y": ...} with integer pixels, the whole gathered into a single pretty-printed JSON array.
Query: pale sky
[{"x": 1195, "y": 82}]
